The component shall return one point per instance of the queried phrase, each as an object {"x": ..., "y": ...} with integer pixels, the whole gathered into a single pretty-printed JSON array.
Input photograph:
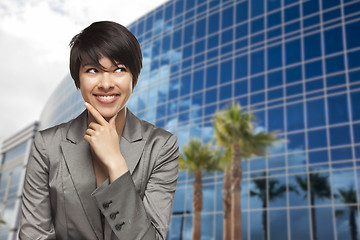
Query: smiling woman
[{"x": 105, "y": 174}]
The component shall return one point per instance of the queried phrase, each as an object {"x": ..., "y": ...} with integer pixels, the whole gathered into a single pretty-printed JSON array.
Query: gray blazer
[{"x": 61, "y": 200}]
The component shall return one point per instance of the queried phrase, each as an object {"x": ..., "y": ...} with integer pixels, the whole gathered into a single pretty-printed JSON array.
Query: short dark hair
[{"x": 105, "y": 39}]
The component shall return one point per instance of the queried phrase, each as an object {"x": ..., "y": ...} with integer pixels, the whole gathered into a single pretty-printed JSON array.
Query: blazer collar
[
  {"x": 77, "y": 155},
  {"x": 132, "y": 130}
]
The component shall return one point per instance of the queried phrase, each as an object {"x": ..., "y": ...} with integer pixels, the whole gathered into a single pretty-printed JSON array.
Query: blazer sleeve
[
  {"x": 36, "y": 220},
  {"x": 131, "y": 217}
]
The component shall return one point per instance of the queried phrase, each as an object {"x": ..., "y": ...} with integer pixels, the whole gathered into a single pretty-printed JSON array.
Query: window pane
[
  {"x": 299, "y": 224},
  {"x": 340, "y": 136},
  {"x": 276, "y": 119},
  {"x": 317, "y": 139},
  {"x": 275, "y": 79},
  {"x": 278, "y": 219},
  {"x": 335, "y": 64},
  {"x": 274, "y": 57},
  {"x": 198, "y": 80},
  {"x": 312, "y": 46},
  {"x": 227, "y": 17},
  {"x": 277, "y": 191},
  {"x": 295, "y": 117},
  {"x": 313, "y": 69},
  {"x": 338, "y": 112},
  {"x": 315, "y": 113},
  {"x": 257, "y": 62},
  {"x": 296, "y": 142},
  {"x": 293, "y": 74},
  {"x": 324, "y": 219},
  {"x": 293, "y": 51},
  {"x": 257, "y": 7},
  {"x": 241, "y": 64},
  {"x": 353, "y": 35},
  {"x": 355, "y": 106},
  {"x": 320, "y": 188},
  {"x": 333, "y": 40},
  {"x": 213, "y": 23},
  {"x": 298, "y": 194},
  {"x": 211, "y": 76},
  {"x": 226, "y": 71}
]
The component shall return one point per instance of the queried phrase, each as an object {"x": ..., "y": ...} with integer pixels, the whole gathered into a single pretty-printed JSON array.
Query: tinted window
[
  {"x": 317, "y": 139},
  {"x": 275, "y": 57},
  {"x": 257, "y": 62},
  {"x": 312, "y": 46},
  {"x": 295, "y": 117},
  {"x": 227, "y": 17},
  {"x": 353, "y": 35},
  {"x": 293, "y": 51},
  {"x": 315, "y": 113},
  {"x": 338, "y": 109},
  {"x": 213, "y": 23},
  {"x": 211, "y": 76},
  {"x": 241, "y": 67},
  {"x": 333, "y": 40},
  {"x": 276, "y": 119}
]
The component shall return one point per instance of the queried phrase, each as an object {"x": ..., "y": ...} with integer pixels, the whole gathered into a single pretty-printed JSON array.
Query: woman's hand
[{"x": 105, "y": 142}]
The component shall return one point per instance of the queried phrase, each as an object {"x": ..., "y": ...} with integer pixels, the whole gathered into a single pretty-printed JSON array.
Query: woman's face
[{"x": 106, "y": 89}]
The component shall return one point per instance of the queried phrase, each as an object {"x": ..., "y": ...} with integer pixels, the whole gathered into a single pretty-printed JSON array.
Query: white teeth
[{"x": 106, "y": 97}]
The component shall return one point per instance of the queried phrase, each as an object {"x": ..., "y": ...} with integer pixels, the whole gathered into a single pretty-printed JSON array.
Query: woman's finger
[
  {"x": 90, "y": 132},
  {"x": 95, "y": 114}
]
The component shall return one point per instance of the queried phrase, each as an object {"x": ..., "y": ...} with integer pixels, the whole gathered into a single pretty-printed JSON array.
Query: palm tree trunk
[
  {"x": 352, "y": 223},
  {"x": 227, "y": 205},
  {"x": 236, "y": 178},
  {"x": 264, "y": 219},
  {"x": 197, "y": 206},
  {"x": 313, "y": 218}
]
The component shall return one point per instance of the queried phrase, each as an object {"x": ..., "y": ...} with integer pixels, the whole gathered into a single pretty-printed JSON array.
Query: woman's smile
[{"x": 106, "y": 98}]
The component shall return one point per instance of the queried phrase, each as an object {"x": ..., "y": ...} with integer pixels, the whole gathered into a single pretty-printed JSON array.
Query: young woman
[{"x": 105, "y": 174}]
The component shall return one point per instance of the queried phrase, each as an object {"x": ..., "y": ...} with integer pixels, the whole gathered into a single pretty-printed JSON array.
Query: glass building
[
  {"x": 14, "y": 156},
  {"x": 296, "y": 65}
]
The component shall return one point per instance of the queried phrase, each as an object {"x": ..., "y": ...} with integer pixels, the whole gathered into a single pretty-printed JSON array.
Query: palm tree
[
  {"x": 234, "y": 129},
  {"x": 2, "y": 222},
  {"x": 225, "y": 163},
  {"x": 349, "y": 197},
  {"x": 319, "y": 187},
  {"x": 275, "y": 190},
  {"x": 197, "y": 157}
]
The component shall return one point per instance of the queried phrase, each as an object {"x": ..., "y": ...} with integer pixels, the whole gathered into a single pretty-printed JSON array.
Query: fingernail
[{"x": 86, "y": 104}]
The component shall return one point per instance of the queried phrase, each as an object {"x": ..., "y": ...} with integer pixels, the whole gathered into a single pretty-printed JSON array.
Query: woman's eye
[
  {"x": 91, "y": 70},
  {"x": 120, "y": 69}
]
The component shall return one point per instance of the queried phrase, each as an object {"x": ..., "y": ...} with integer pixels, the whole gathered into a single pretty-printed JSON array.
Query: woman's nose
[{"x": 106, "y": 81}]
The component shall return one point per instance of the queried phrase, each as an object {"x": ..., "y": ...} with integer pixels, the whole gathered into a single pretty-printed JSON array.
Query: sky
[{"x": 34, "y": 52}]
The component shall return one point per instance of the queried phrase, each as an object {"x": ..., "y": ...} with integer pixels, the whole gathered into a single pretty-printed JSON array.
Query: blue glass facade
[{"x": 296, "y": 65}]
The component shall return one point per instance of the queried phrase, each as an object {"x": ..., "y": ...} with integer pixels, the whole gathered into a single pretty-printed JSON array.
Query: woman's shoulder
[{"x": 59, "y": 132}]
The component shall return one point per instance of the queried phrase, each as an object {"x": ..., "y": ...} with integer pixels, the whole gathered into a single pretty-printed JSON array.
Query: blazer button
[
  {"x": 119, "y": 226},
  {"x": 106, "y": 205},
  {"x": 113, "y": 215}
]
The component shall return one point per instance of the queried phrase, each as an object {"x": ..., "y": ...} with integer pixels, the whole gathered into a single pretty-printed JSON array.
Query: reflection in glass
[
  {"x": 322, "y": 228},
  {"x": 259, "y": 191},
  {"x": 347, "y": 218},
  {"x": 319, "y": 194},
  {"x": 298, "y": 197},
  {"x": 299, "y": 224},
  {"x": 256, "y": 233},
  {"x": 278, "y": 221},
  {"x": 207, "y": 231}
]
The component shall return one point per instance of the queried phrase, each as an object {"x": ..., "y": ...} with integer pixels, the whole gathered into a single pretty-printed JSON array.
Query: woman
[{"x": 84, "y": 181}]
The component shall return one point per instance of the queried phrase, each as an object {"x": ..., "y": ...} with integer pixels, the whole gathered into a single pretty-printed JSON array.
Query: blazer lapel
[
  {"x": 132, "y": 142},
  {"x": 78, "y": 158}
]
